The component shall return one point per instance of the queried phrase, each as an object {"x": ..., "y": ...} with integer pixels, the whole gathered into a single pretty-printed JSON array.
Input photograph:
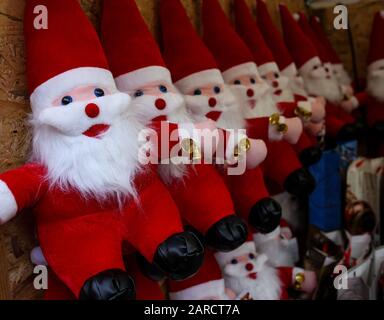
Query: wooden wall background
[{"x": 17, "y": 237}]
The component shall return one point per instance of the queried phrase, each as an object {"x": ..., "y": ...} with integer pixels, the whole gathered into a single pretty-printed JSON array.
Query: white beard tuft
[
  {"x": 375, "y": 85},
  {"x": 98, "y": 168},
  {"x": 322, "y": 87},
  {"x": 278, "y": 254}
]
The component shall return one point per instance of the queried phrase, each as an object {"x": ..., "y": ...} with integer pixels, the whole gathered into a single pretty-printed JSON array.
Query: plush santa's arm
[
  {"x": 355, "y": 101},
  {"x": 19, "y": 189},
  {"x": 297, "y": 278}
]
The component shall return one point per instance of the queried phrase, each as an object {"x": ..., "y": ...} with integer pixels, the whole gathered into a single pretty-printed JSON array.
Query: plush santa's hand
[
  {"x": 294, "y": 130},
  {"x": 350, "y": 104},
  {"x": 256, "y": 153},
  {"x": 8, "y": 205},
  {"x": 304, "y": 281},
  {"x": 315, "y": 129},
  {"x": 317, "y": 109}
]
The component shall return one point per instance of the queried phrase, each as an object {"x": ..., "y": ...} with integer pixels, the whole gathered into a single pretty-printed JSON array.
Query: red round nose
[
  {"x": 212, "y": 102},
  {"x": 92, "y": 110},
  {"x": 249, "y": 266},
  {"x": 250, "y": 93},
  {"x": 160, "y": 104},
  {"x": 275, "y": 84}
]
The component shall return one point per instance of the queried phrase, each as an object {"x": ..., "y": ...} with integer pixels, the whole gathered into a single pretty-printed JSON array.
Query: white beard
[
  {"x": 297, "y": 86},
  {"x": 279, "y": 254},
  {"x": 267, "y": 285},
  {"x": 101, "y": 168},
  {"x": 327, "y": 88},
  {"x": 375, "y": 85}
]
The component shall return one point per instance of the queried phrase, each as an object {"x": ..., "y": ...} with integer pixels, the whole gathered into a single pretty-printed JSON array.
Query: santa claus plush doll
[
  {"x": 246, "y": 271},
  {"x": 240, "y": 73},
  {"x": 318, "y": 81},
  {"x": 207, "y": 284},
  {"x": 84, "y": 182},
  {"x": 207, "y": 96},
  {"x": 313, "y": 114},
  {"x": 136, "y": 62},
  {"x": 287, "y": 104}
]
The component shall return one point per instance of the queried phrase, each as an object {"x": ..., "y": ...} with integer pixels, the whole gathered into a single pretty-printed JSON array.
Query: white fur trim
[
  {"x": 133, "y": 80},
  {"x": 375, "y": 65},
  {"x": 47, "y": 92},
  {"x": 273, "y": 134},
  {"x": 355, "y": 102},
  {"x": 296, "y": 16},
  {"x": 199, "y": 79},
  {"x": 213, "y": 288},
  {"x": 267, "y": 68},
  {"x": 290, "y": 71},
  {"x": 8, "y": 207},
  {"x": 295, "y": 271},
  {"x": 306, "y": 105},
  {"x": 240, "y": 70},
  {"x": 224, "y": 258},
  {"x": 307, "y": 67},
  {"x": 260, "y": 237}
]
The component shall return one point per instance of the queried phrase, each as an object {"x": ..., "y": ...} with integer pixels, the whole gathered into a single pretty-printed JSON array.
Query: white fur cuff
[
  {"x": 8, "y": 205},
  {"x": 273, "y": 134}
]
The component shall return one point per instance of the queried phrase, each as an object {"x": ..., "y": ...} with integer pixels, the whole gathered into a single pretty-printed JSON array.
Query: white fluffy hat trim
[
  {"x": 306, "y": 67},
  {"x": 268, "y": 67},
  {"x": 245, "y": 69},
  {"x": 199, "y": 79},
  {"x": 224, "y": 258}
]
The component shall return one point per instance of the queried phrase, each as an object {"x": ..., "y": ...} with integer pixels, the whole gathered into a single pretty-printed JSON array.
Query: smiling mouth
[
  {"x": 252, "y": 276},
  {"x": 213, "y": 115},
  {"x": 160, "y": 118},
  {"x": 97, "y": 130},
  {"x": 252, "y": 103},
  {"x": 278, "y": 92}
]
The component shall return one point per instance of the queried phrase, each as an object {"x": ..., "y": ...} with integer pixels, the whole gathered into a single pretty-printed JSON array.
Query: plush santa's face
[
  {"x": 375, "y": 81},
  {"x": 158, "y": 101},
  {"x": 319, "y": 81},
  {"x": 280, "y": 85},
  {"x": 86, "y": 139}
]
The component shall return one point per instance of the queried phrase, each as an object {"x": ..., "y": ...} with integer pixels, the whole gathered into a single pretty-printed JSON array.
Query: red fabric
[
  {"x": 248, "y": 30},
  {"x": 128, "y": 43},
  {"x": 183, "y": 50},
  {"x": 164, "y": 141},
  {"x": 307, "y": 30},
  {"x": 322, "y": 38},
  {"x": 281, "y": 161},
  {"x": 57, "y": 290},
  {"x": 288, "y": 109},
  {"x": 285, "y": 275},
  {"x": 375, "y": 111},
  {"x": 221, "y": 39},
  {"x": 298, "y": 44},
  {"x": 362, "y": 97},
  {"x": 70, "y": 36},
  {"x": 272, "y": 36},
  {"x": 336, "y": 118},
  {"x": 258, "y": 128},
  {"x": 247, "y": 189},
  {"x": 376, "y": 51},
  {"x": 202, "y": 197},
  {"x": 82, "y": 237},
  {"x": 209, "y": 271},
  {"x": 305, "y": 142}
]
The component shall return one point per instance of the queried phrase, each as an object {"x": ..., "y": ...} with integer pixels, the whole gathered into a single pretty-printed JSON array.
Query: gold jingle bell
[
  {"x": 299, "y": 280},
  {"x": 303, "y": 113},
  {"x": 189, "y": 146}
]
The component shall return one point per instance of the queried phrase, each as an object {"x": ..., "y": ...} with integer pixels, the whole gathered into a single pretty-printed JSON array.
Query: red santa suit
[
  {"x": 137, "y": 65},
  {"x": 307, "y": 59},
  {"x": 236, "y": 61},
  {"x": 85, "y": 186}
]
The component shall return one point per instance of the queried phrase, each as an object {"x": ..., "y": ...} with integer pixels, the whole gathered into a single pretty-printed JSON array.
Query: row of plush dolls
[{"x": 111, "y": 227}]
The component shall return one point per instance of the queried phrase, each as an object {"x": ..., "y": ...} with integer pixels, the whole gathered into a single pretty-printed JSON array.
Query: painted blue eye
[
  {"x": 99, "y": 92},
  {"x": 253, "y": 81},
  {"x": 163, "y": 89},
  {"x": 217, "y": 90},
  {"x": 197, "y": 92},
  {"x": 66, "y": 100},
  {"x": 237, "y": 82},
  {"x": 139, "y": 93}
]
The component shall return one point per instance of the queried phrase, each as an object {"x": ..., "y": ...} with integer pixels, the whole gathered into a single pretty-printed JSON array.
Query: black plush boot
[
  {"x": 310, "y": 156},
  {"x": 228, "y": 234},
  {"x": 348, "y": 132},
  {"x": 180, "y": 256},
  {"x": 265, "y": 216},
  {"x": 300, "y": 183},
  {"x": 109, "y": 285},
  {"x": 150, "y": 270}
]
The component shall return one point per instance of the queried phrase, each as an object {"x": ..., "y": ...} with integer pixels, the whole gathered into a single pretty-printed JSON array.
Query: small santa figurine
[
  {"x": 318, "y": 79},
  {"x": 84, "y": 182},
  {"x": 139, "y": 70},
  {"x": 247, "y": 271}
]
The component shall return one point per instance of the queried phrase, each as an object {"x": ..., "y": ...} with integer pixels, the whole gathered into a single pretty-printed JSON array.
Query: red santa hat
[
  {"x": 272, "y": 37},
  {"x": 303, "y": 22},
  {"x": 322, "y": 38},
  {"x": 225, "y": 258},
  {"x": 376, "y": 52},
  {"x": 132, "y": 52},
  {"x": 247, "y": 29},
  {"x": 185, "y": 54},
  {"x": 301, "y": 48},
  {"x": 208, "y": 282},
  {"x": 230, "y": 52},
  {"x": 66, "y": 55}
]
